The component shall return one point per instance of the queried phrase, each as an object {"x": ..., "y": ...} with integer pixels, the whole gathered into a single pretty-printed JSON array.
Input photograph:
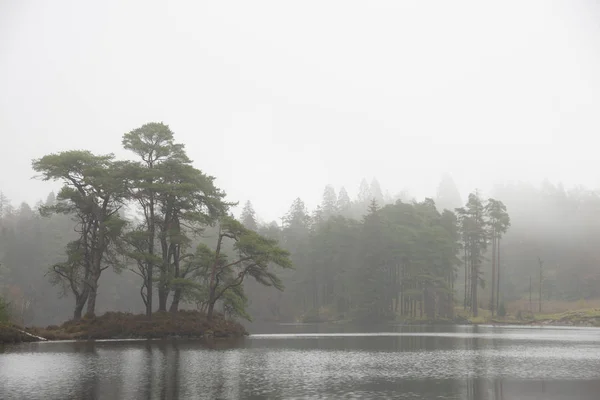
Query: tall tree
[
  {"x": 376, "y": 192},
  {"x": 297, "y": 217},
  {"x": 154, "y": 144},
  {"x": 188, "y": 202},
  {"x": 371, "y": 275},
  {"x": 447, "y": 197},
  {"x": 254, "y": 254},
  {"x": 93, "y": 193},
  {"x": 364, "y": 197},
  {"x": 248, "y": 217},
  {"x": 464, "y": 224},
  {"x": 50, "y": 199},
  {"x": 295, "y": 238},
  {"x": 541, "y": 264},
  {"x": 329, "y": 203},
  {"x": 318, "y": 217},
  {"x": 344, "y": 204},
  {"x": 499, "y": 222},
  {"x": 476, "y": 235},
  {"x": 450, "y": 248},
  {"x": 4, "y": 204}
]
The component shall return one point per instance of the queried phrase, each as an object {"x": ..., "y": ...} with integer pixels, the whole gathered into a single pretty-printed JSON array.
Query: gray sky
[{"x": 277, "y": 99}]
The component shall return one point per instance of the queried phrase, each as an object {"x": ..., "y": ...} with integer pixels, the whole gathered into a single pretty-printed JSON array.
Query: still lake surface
[{"x": 308, "y": 361}]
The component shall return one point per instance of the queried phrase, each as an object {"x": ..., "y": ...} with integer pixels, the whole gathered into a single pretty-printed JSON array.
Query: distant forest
[{"x": 155, "y": 233}]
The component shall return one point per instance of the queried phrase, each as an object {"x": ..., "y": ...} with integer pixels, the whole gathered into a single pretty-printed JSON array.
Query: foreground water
[{"x": 316, "y": 361}]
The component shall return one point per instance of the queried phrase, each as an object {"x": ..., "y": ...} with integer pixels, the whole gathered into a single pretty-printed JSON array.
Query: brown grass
[{"x": 117, "y": 325}]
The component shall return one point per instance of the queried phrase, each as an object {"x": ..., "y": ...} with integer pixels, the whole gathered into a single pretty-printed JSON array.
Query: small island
[{"x": 118, "y": 325}]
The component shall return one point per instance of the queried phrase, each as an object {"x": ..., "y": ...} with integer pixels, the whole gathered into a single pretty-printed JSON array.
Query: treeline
[
  {"x": 155, "y": 233},
  {"x": 399, "y": 259},
  {"x": 497, "y": 254}
]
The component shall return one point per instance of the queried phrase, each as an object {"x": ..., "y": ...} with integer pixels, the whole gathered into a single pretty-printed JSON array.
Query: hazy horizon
[{"x": 276, "y": 100}]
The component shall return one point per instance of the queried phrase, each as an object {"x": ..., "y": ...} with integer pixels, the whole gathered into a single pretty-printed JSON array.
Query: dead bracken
[{"x": 119, "y": 325}]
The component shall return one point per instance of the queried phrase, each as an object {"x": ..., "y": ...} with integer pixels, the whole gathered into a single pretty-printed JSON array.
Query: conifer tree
[
  {"x": 248, "y": 217},
  {"x": 344, "y": 204},
  {"x": 93, "y": 193},
  {"x": 329, "y": 205}
]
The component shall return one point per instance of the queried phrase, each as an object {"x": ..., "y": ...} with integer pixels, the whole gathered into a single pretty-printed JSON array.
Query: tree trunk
[
  {"x": 210, "y": 312},
  {"x": 530, "y": 304},
  {"x": 498, "y": 273},
  {"x": 92, "y": 294},
  {"x": 78, "y": 311},
  {"x": 466, "y": 274},
  {"x": 149, "y": 265},
  {"x": 163, "y": 295},
  {"x": 541, "y": 278},
  {"x": 91, "y": 303},
  {"x": 79, "y": 304},
  {"x": 492, "y": 302},
  {"x": 212, "y": 291},
  {"x": 149, "y": 272},
  {"x": 175, "y": 302},
  {"x": 163, "y": 290},
  {"x": 177, "y": 272},
  {"x": 474, "y": 278}
]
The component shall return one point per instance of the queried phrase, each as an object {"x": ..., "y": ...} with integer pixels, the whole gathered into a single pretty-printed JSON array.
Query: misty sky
[{"x": 277, "y": 99}]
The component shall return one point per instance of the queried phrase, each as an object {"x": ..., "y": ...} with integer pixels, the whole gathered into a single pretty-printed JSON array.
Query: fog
[
  {"x": 278, "y": 99},
  {"x": 411, "y": 179}
]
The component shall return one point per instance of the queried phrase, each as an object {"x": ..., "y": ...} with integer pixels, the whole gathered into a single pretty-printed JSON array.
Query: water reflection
[{"x": 495, "y": 363}]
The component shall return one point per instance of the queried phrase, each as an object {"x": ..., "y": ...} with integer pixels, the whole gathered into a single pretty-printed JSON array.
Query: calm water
[{"x": 312, "y": 361}]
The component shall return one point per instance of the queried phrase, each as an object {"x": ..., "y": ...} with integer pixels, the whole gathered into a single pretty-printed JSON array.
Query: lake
[{"x": 316, "y": 361}]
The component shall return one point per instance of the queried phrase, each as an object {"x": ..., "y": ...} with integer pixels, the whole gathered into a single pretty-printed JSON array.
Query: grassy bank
[
  {"x": 559, "y": 316},
  {"x": 116, "y": 325},
  {"x": 585, "y": 317}
]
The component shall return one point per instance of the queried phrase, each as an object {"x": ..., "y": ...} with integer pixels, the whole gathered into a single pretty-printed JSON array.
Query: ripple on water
[{"x": 450, "y": 365}]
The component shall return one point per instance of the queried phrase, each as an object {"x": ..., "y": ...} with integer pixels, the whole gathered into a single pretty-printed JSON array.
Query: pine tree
[
  {"x": 344, "y": 204},
  {"x": 170, "y": 192},
  {"x": 318, "y": 217},
  {"x": 255, "y": 256},
  {"x": 329, "y": 206},
  {"x": 363, "y": 199},
  {"x": 93, "y": 192},
  {"x": 448, "y": 197},
  {"x": 499, "y": 222},
  {"x": 477, "y": 239},
  {"x": 295, "y": 239},
  {"x": 4, "y": 204},
  {"x": 248, "y": 217},
  {"x": 372, "y": 277},
  {"x": 376, "y": 192},
  {"x": 50, "y": 199},
  {"x": 364, "y": 194},
  {"x": 154, "y": 144}
]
